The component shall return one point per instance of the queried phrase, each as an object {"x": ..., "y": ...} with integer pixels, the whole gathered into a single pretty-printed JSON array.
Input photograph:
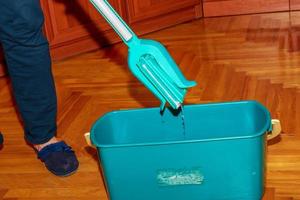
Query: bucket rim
[{"x": 266, "y": 128}]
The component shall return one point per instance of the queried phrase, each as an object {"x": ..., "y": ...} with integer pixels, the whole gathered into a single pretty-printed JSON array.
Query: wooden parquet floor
[{"x": 232, "y": 58}]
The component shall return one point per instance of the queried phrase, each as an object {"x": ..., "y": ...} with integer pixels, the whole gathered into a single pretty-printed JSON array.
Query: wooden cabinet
[
  {"x": 145, "y": 9},
  {"x": 150, "y": 15},
  {"x": 235, "y": 7},
  {"x": 74, "y": 26}
]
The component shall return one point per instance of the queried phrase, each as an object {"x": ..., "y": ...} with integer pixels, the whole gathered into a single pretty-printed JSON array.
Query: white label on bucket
[{"x": 173, "y": 177}]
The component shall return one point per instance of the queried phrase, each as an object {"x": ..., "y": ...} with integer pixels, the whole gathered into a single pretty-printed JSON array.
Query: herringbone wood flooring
[{"x": 232, "y": 58}]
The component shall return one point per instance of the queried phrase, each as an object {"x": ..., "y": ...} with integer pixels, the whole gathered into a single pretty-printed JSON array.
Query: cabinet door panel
[
  {"x": 70, "y": 21},
  {"x": 295, "y": 4},
  {"x": 144, "y": 9},
  {"x": 234, "y": 7}
]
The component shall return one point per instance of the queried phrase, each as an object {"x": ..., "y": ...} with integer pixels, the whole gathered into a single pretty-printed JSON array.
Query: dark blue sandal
[{"x": 59, "y": 158}]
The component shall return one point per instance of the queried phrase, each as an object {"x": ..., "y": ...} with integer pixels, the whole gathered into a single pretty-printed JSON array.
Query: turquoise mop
[{"x": 149, "y": 61}]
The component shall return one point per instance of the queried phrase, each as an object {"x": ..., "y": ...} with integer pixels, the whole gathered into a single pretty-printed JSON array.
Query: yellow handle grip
[
  {"x": 88, "y": 139},
  {"x": 276, "y": 129}
]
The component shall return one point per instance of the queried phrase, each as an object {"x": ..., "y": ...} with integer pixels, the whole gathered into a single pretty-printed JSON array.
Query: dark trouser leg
[{"x": 29, "y": 66}]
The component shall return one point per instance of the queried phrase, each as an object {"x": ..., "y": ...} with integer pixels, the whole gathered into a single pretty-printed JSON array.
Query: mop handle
[{"x": 114, "y": 19}]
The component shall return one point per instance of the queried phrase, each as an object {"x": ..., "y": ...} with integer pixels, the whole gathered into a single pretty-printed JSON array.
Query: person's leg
[
  {"x": 29, "y": 66},
  {"x": 27, "y": 56}
]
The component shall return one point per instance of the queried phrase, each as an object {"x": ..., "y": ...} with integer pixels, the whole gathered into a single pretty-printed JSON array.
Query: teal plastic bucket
[{"x": 220, "y": 154}]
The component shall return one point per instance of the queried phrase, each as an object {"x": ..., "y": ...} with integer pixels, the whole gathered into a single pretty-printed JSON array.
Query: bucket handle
[
  {"x": 276, "y": 129},
  {"x": 87, "y": 137}
]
